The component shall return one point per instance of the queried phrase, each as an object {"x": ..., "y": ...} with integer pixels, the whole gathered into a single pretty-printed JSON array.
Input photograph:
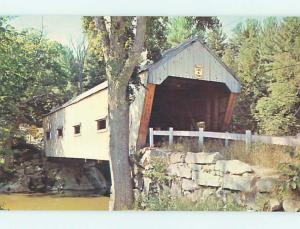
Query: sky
[{"x": 65, "y": 29}]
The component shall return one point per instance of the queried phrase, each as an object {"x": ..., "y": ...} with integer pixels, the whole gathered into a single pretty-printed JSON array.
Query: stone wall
[{"x": 197, "y": 176}]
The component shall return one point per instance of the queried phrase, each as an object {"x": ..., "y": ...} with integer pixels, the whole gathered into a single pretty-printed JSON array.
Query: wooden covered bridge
[{"x": 188, "y": 87}]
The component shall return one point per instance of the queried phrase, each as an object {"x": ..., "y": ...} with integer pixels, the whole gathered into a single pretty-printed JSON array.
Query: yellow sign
[{"x": 198, "y": 71}]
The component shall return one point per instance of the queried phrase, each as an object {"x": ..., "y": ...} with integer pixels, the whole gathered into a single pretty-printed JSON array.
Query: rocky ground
[
  {"x": 31, "y": 173},
  {"x": 197, "y": 176}
]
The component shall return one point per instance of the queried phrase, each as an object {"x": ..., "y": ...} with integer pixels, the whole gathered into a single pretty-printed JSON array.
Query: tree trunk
[{"x": 118, "y": 108}]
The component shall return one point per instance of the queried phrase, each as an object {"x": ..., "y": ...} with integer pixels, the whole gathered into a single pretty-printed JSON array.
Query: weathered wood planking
[
  {"x": 208, "y": 114},
  {"x": 182, "y": 61},
  {"x": 216, "y": 113},
  {"x": 229, "y": 110},
  {"x": 146, "y": 114}
]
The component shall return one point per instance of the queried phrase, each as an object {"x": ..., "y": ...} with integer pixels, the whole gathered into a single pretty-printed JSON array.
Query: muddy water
[{"x": 52, "y": 202}]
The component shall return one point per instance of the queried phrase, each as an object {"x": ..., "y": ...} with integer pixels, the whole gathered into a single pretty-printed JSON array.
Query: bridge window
[
  {"x": 60, "y": 132},
  {"x": 101, "y": 124},
  {"x": 77, "y": 129}
]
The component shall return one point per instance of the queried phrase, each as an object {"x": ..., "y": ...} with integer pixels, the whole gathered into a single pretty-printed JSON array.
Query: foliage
[
  {"x": 165, "y": 202},
  {"x": 291, "y": 178},
  {"x": 34, "y": 77},
  {"x": 216, "y": 40},
  {"x": 266, "y": 58},
  {"x": 158, "y": 172},
  {"x": 182, "y": 28}
]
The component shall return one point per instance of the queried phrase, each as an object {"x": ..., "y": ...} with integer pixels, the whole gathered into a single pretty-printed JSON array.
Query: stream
[{"x": 52, "y": 202}]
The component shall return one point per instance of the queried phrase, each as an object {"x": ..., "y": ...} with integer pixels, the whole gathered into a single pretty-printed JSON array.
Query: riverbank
[
  {"x": 32, "y": 173},
  {"x": 52, "y": 202}
]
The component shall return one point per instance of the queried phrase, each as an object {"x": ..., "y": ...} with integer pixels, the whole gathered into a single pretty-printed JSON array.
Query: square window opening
[
  {"x": 101, "y": 124},
  {"x": 77, "y": 129},
  {"x": 60, "y": 132}
]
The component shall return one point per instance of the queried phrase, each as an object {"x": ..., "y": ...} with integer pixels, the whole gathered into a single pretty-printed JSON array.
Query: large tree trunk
[
  {"x": 120, "y": 63},
  {"x": 122, "y": 193}
]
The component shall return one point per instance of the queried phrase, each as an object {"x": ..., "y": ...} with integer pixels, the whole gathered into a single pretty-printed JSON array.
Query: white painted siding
[
  {"x": 183, "y": 65},
  {"x": 135, "y": 112},
  {"x": 90, "y": 143}
]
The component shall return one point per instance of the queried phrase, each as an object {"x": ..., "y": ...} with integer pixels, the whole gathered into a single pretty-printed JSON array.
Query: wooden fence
[{"x": 248, "y": 137}]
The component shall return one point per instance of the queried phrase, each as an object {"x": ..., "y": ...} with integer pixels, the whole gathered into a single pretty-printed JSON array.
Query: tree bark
[
  {"x": 119, "y": 71},
  {"x": 122, "y": 193}
]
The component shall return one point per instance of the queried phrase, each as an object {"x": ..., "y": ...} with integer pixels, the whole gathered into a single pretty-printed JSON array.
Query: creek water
[{"x": 52, "y": 202}]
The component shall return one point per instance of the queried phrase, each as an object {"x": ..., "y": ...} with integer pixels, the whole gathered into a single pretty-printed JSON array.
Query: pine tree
[
  {"x": 277, "y": 113},
  {"x": 216, "y": 40}
]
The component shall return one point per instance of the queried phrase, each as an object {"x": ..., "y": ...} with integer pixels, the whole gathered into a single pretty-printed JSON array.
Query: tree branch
[
  {"x": 136, "y": 50},
  {"x": 104, "y": 34}
]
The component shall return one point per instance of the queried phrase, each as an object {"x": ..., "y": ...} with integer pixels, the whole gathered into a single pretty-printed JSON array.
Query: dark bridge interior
[{"x": 187, "y": 104}]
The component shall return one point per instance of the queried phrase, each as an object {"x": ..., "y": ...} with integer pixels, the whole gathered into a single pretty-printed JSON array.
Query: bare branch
[{"x": 104, "y": 34}]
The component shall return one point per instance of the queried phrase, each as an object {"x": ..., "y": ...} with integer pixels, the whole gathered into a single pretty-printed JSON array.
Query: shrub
[
  {"x": 291, "y": 179},
  {"x": 165, "y": 202}
]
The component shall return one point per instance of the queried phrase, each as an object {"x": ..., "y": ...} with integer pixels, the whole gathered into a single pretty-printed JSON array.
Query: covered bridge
[{"x": 188, "y": 86}]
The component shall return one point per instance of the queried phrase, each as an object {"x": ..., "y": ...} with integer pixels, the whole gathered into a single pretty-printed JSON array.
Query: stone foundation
[{"x": 199, "y": 175}]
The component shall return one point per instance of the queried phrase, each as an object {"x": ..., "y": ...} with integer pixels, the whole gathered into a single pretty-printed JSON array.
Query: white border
[
  {"x": 153, "y": 7},
  {"x": 151, "y": 220}
]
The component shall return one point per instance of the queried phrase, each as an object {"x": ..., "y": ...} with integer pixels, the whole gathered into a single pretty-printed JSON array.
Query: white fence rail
[{"x": 248, "y": 138}]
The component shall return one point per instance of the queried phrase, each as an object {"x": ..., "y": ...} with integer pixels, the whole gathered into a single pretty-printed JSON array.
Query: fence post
[
  {"x": 170, "y": 136},
  {"x": 201, "y": 139},
  {"x": 226, "y": 139},
  {"x": 151, "y": 139},
  {"x": 248, "y": 140}
]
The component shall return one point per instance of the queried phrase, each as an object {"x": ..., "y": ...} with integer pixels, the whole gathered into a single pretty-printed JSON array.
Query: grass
[
  {"x": 165, "y": 202},
  {"x": 264, "y": 155}
]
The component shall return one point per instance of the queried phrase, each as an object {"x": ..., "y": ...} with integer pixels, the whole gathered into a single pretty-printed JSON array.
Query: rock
[
  {"x": 207, "y": 192},
  {"x": 196, "y": 195},
  {"x": 37, "y": 183},
  {"x": 138, "y": 181},
  {"x": 205, "y": 168},
  {"x": 222, "y": 194},
  {"x": 275, "y": 205},
  {"x": 176, "y": 188},
  {"x": 263, "y": 172},
  {"x": 27, "y": 163},
  {"x": 136, "y": 194},
  {"x": 180, "y": 170},
  {"x": 176, "y": 158},
  {"x": 152, "y": 154},
  {"x": 96, "y": 178},
  {"x": 238, "y": 183},
  {"x": 20, "y": 172},
  {"x": 265, "y": 184},
  {"x": 29, "y": 170},
  {"x": 35, "y": 162},
  {"x": 196, "y": 167},
  {"x": 189, "y": 185},
  {"x": 232, "y": 166},
  {"x": 68, "y": 179},
  {"x": 206, "y": 179},
  {"x": 17, "y": 187},
  {"x": 290, "y": 205},
  {"x": 147, "y": 184},
  {"x": 37, "y": 168},
  {"x": 202, "y": 158}
]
